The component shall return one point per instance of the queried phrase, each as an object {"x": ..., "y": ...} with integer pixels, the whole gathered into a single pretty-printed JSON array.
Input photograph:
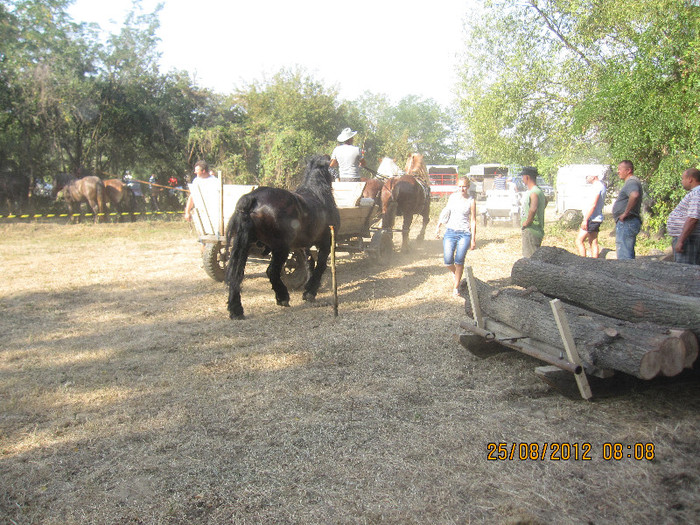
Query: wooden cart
[{"x": 357, "y": 232}]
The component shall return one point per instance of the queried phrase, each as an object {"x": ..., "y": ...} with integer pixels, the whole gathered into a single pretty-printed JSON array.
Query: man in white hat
[
  {"x": 592, "y": 217},
  {"x": 347, "y": 158}
]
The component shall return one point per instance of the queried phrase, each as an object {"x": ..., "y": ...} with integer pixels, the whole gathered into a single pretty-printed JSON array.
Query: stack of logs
[{"x": 638, "y": 317}]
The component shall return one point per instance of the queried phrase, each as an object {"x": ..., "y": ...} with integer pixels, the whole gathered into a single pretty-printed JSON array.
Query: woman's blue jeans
[
  {"x": 454, "y": 246},
  {"x": 626, "y": 237}
]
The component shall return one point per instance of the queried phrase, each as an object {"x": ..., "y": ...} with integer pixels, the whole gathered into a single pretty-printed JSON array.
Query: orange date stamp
[{"x": 569, "y": 451}]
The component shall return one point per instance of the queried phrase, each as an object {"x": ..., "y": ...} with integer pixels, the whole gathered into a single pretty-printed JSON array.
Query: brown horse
[
  {"x": 120, "y": 196},
  {"x": 89, "y": 189},
  {"x": 407, "y": 196},
  {"x": 372, "y": 189}
]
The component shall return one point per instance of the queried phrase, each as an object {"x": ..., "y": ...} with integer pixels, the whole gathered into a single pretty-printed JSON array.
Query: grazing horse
[
  {"x": 283, "y": 221},
  {"x": 89, "y": 189},
  {"x": 120, "y": 196},
  {"x": 406, "y": 196},
  {"x": 14, "y": 191}
]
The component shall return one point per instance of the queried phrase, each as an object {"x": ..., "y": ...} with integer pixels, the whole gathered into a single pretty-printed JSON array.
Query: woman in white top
[{"x": 459, "y": 216}]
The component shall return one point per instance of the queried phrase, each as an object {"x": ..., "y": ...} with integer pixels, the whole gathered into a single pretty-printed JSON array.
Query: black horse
[
  {"x": 283, "y": 221},
  {"x": 14, "y": 191}
]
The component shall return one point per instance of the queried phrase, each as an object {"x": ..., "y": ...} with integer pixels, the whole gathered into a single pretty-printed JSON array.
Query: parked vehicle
[
  {"x": 503, "y": 206},
  {"x": 546, "y": 188},
  {"x": 443, "y": 180},
  {"x": 572, "y": 191},
  {"x": 482, "y": 175}
]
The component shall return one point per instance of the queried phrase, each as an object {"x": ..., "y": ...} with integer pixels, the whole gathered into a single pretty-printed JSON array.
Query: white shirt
[
  {"x": 348, "y": 157},
  {"x": 457, "y": 213}
]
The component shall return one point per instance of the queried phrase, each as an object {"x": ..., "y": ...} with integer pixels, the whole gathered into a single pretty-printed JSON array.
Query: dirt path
[{"x": 127, "y": 396}]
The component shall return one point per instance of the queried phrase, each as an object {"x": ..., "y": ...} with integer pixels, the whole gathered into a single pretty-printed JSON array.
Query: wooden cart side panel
[
  {"x": 208, "y": 205},
  {"x": 348, "y": 194},
  {"x": 353, "y": 221}
]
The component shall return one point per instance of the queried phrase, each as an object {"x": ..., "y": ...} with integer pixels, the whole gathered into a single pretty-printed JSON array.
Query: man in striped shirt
[{"x": 683, "y": 223}]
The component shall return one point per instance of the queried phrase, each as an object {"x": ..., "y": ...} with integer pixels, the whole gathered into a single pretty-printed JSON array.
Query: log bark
[
  {"x": 640, "y": 349},
  {"x": 609, "y": 296},
  {"x": 681, "y": 279}
]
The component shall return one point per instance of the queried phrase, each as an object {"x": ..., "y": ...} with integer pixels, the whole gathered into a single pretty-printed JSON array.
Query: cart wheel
[
  {"x": 295, "y": 272},
  {"x": 214, "y": 259},
  {"x": 381, "y": 247}
]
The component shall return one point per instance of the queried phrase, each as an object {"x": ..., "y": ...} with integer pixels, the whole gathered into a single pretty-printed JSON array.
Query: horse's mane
[
  {"x": 416, "y": 166},
  {"x": 61, "y": 180},
  {"x": 317, "y": 179}
]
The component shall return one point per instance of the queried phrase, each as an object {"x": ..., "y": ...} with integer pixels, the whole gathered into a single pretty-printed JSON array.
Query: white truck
[
  {"x": 482, "y": 176},
  {"x": 572, "y": 191}
]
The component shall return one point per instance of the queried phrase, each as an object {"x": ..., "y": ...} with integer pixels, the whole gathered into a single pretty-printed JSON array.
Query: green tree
[
  {"x": 288, "y": 118},
  {"x": 557, "y": 81}
]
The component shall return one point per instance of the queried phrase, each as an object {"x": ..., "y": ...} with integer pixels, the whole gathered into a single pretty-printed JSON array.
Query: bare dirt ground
[{"x": 128, "y": 396}]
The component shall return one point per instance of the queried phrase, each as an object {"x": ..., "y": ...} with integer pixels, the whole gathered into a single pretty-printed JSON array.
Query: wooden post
[
  {"x": 206, "y": 211},
  {"x": 570, "y": 347},
  {"x": 221, "y": 204},
  {"x": 335, "y": 282},
  {"x": 474, "y": 298}
]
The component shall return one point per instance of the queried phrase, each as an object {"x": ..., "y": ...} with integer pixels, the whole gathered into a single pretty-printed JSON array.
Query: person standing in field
[
  {"x": 532, "y": 214},
  {"x": 592, "y": 218},
  {"x": 627, "y": 211},
  {"x": 347, "y": 158},
  {"x": 459, "y": 216},
  {"x": 203, "y": 179},
  {"x": 683, "y": 223}
]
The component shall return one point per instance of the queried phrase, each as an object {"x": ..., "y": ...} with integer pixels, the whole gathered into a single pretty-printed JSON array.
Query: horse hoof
[
  {"x": 283, "y": 303},
  {"x": 309, "y": 297},
  {"x": 238, "y": 317}
]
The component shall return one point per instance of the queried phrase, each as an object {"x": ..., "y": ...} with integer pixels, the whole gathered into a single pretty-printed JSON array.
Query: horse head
[
  {"x": 317, "y": 171},
  {"x": 415, "y": 165},
  {"x": 59, "y": 182}
]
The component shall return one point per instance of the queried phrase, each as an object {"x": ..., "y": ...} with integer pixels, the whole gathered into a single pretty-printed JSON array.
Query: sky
[{"x": 381, "y": 46}]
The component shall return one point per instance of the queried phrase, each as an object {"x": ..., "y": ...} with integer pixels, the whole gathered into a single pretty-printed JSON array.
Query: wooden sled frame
[{"x": 482, "y": 341}]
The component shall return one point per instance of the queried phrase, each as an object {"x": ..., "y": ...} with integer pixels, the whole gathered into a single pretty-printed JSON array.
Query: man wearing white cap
[
  {"x": 347, "y": 158},
  {"x": 592, "y": 217}
]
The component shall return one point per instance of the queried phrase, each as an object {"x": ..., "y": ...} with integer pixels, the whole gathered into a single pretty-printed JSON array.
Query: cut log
[
  {"x": 691, "y": 346},
  {"x": 639, "y": 349},
  {"x": 609, "y": 296},
  {"x": 681, "y": 279}
]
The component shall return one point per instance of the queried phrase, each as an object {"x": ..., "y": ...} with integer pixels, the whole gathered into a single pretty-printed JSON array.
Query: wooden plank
[
  {"x": 348, "y": 194},
  {"x": 474, "y": 298},
  {"x": 208, "y": 204},
  {"x": 353, "y": 221},
  {"x": 570, "y": 346}
]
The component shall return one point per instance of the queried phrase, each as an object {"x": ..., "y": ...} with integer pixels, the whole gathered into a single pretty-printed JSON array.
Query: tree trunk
[
  {"x": 609, "y": 296},
  {"x": 681, "y": 279},
  {"x": 642, "y": 349}
]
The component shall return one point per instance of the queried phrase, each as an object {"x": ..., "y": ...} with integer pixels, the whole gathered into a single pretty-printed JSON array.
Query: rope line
[{"x": 112, "y": 214}]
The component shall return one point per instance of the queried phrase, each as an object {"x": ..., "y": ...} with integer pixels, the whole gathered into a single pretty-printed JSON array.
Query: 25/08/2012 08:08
[{"x": 563, "y": 451}]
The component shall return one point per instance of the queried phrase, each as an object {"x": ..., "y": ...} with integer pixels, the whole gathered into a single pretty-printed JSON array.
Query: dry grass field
[{"x": 127, "y": 396}]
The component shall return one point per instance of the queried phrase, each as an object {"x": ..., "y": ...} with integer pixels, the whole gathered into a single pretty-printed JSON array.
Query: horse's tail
[{"x": 238, "y": 236}]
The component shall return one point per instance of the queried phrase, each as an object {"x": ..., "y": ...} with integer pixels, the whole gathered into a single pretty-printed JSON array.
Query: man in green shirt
[{"x": 532, "y": 219}]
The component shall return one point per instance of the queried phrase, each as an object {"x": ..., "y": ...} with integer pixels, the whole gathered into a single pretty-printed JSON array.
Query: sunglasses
[{"x": 463, "y": 187}]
